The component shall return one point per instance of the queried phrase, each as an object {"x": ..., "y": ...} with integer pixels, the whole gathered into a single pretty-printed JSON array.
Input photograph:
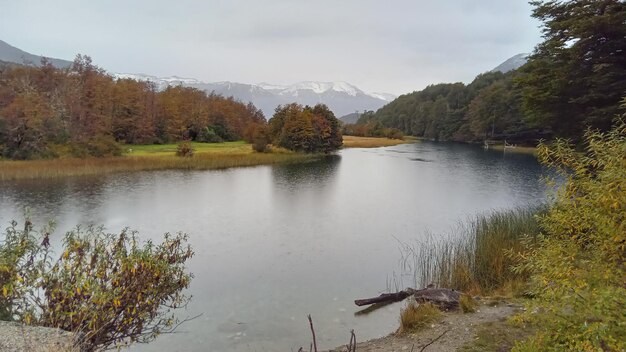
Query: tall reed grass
[
  {"x": 475, "y": 258},
  {"x": 41, "y": 169}
]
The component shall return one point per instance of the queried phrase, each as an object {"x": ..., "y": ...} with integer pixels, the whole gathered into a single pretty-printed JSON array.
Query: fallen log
[
  {"x": 444, "y": 298},
  {"x": 384, "y": 298}
]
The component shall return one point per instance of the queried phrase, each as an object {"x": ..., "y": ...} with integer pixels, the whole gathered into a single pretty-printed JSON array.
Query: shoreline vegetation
[
  {"x": 207, "y": 156},
  {"x": 564, "y": 262},
  {"x": 374, "y": 142}
]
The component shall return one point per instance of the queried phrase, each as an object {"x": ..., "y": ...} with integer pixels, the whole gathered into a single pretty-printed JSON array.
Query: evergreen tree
[{"x": 577, "y": 76}]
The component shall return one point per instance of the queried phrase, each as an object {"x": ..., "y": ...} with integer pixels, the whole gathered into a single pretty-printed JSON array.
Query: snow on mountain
[
  {"x": 269, "y": 86},
  {"x": 322, "y": 87},
  {"x": 341, "y": 97},
  {"x": 161, "y": 82},
  {"x": 384, "y": 96}
]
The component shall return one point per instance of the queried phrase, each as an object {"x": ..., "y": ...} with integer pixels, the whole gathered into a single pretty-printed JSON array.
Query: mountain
[
  {"x": 160, "y": 82},
  {"x": 12, "y": 54},
  {"x": 513, "y": 63},
  {"x": 350, "y": 118},
  {"x": 341, "y": 97}
]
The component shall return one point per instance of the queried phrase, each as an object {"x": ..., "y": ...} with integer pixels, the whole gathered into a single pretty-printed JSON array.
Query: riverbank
[
  {"x": 516, "y": 149},
  {"x": 150, "y": 158},
  {"x": 207, "y": 156},
  {"x": 373, "y": 142},
  {"x": 455, "y": 331}
]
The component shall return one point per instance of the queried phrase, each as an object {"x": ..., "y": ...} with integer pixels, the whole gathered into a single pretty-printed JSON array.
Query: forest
[
  {"x": 574, "y": 80},
  {"x": 47, "y": 112}
]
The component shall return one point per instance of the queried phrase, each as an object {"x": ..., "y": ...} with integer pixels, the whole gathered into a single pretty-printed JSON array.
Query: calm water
[{"x": 275, "y": 243}]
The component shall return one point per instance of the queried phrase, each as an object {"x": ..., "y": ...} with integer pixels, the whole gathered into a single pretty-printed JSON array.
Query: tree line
[
  {"x": 47, "y": 112},
  {"x": 82, "y": 111},
  {"x": 574, "y": 80}
]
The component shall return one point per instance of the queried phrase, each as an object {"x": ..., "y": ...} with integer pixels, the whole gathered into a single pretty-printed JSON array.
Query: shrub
[
  {"x": 106, "y": 287},
  {"x": 578, "y": 265},
  {"x": 184, "y": 149}
]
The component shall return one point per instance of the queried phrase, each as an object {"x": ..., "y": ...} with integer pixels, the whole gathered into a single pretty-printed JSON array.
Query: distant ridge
[
  {"x": 12, "y": 54},
  {"x": 512, "y": 63},
  {"x": 341, "y": 97},
  {"x": 350, "y": 118}
]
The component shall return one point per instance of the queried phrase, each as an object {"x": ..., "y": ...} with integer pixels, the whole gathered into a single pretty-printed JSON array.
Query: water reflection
[
  {"x": 317, "y": 175},
  {"x": 275, "y": 243}
]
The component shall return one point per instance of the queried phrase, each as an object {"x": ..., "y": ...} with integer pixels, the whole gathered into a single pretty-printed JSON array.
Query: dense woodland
[
  {"x": 574, "y": 80},
  {"x": 81, "y": 111}
]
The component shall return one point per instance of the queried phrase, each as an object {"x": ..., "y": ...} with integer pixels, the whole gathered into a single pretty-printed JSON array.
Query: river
[{"x": 275, "y": 243}]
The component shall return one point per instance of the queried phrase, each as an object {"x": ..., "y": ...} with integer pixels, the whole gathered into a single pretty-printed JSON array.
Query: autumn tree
[
  {"x": 81, "y": 111},
  {"x": 305, "y": 129}
]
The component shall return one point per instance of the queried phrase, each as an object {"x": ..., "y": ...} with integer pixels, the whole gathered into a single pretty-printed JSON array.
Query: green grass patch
[{"x": 199, "y": 148}]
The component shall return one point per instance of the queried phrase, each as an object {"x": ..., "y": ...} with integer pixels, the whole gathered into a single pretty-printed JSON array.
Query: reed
[{"x": 475, "y": 258}]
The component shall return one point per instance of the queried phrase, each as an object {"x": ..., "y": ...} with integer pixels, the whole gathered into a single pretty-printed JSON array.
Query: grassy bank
[
  {"x": 373, "y": 142},
  {"x": 151, "y": 157}
]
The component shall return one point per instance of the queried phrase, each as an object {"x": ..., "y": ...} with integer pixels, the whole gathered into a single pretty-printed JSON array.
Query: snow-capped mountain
[
  {"x": 341, "y": 97},
  {"x": 512, "y": 63},
  {"x": 161, "y": 82}
]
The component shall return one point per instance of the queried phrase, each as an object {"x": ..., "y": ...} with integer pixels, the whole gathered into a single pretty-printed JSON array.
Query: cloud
[{"x": 396, "y": 46}]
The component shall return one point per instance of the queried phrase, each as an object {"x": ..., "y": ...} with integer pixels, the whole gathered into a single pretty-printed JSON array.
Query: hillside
[
  {"x": 12, "y": 54},
  {"x": 350, "y": 118}
]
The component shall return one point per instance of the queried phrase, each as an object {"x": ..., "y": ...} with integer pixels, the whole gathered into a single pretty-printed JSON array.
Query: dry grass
[
  {"x": 519, "y": 150},
  {"x": 417, "y": 316},
  {"x": 244, "y": 156},
  {"x": 372, "y": 142},
  {"x": 468, "y": 304}
]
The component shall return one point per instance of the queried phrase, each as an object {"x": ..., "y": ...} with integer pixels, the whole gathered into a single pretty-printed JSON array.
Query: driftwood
[{"x": 444, "y": 298}]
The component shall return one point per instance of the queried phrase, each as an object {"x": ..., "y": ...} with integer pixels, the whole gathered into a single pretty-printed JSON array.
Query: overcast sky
[{"x": 382, "y": 46}]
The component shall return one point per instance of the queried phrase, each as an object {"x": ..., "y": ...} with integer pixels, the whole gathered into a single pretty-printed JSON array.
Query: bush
[
  {"x": 106, "y": 287},
  {"x": 578, "y": 265},
  {"x": 184, "y": 149}
]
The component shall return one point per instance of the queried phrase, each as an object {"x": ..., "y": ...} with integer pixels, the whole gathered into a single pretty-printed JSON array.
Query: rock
[{"x": 16, "y": 337}]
